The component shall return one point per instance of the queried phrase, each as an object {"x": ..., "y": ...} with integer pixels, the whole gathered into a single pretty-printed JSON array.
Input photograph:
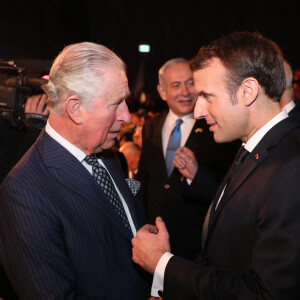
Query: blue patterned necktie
[
  {"x": 173, "y": 145},
  {"x": 102, "y": 177}
]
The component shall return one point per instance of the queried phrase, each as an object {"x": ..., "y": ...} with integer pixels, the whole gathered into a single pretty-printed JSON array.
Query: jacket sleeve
[{"x": 33, "y": 252}]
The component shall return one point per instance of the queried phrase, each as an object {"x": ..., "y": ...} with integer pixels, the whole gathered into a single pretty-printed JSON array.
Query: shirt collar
[
  {"x": 289, "y": 106},
  {"x": 256, "y": 138},
  {"x": 173, "y": 117},
  {"x": 79, "y": 154}
]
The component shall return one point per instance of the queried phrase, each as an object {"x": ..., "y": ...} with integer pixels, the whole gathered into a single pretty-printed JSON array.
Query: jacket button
[{"x": 166, "y": 186}]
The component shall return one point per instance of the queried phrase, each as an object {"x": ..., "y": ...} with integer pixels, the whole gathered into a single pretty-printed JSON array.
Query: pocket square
[{"x": 134, "y": 185}]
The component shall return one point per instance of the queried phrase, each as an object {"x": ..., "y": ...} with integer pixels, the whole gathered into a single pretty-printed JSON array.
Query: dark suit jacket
[
  {"x": 252, "y": 250},
  {"x": 295, "y": 112},
  {"x": 13, "y": 145},
  {"x": 170, "y": 197},
  {"x": 60, "y": 236}
]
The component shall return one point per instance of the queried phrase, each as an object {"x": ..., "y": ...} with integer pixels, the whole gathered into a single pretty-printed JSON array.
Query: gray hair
[
  {"x": 168, "y": 64},
  {"x": 79, "y": 70}
]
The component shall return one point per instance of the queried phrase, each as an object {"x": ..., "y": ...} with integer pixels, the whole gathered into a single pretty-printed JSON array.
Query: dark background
[{"x": 36, "y": 29}]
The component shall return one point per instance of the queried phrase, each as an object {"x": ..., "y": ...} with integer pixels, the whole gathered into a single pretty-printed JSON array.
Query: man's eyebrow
[
  {"x": 190, "y": 79},
  {"x": 204, "y": 94},
  {"x": 125, "y": 97}
]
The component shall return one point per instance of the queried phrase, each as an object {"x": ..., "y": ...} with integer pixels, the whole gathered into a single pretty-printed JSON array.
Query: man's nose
[
  {"x": 200, "y": 110},
  {"x": 124, "y": 114},
  {"x": 184, "y": 90}
]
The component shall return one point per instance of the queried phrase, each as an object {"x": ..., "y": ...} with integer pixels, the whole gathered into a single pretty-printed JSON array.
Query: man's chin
[
  {"x": 218, "y": 138},
  {"x": 187, "y": 111},
  {"x": 106, "y": 145}
]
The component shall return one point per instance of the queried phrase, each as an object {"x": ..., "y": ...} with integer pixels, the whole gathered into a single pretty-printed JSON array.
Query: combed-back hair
[
  {"x": 79, "y": 70},
  {"x": 245, "y": 54}
]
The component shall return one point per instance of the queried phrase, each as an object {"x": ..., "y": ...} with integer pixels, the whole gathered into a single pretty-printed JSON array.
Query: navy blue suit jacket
[{"x": 60, "y": 236}]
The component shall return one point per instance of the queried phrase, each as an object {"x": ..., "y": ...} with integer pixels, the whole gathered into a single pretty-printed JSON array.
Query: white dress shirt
[
  {"x": 288, "y": 107},
  {"x": 169, "y": 124},
  {"x": 158, "y": 278},
  {"x": 80, "y": 155}
]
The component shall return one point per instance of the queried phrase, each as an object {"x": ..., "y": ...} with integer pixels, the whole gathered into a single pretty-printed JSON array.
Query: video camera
[{"x": 16, "y": 84}]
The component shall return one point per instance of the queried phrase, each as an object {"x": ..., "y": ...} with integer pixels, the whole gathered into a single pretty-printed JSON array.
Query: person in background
[
  {"x": 67, "y": 210},
  {"x": 296, "y": 85},
  {"x": 137, "y": 136},
  {"x": 286, "y": 102},
  {"x": 138, "y": 118},
  {"x": 132, "y": 153},
  {"x": 251, "y": 248},
  {"x": 165, "y": 190}
]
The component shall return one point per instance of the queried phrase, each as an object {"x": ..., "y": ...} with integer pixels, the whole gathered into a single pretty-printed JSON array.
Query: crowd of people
[{"x": 196, "y": 201}]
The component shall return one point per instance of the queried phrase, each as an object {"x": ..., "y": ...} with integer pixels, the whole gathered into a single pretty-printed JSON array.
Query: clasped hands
[
  {"x": 149, "y": 245},
  {"x": 151, "y": 241}
]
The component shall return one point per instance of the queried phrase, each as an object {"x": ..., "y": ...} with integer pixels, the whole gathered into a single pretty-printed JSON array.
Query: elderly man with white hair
[{"x": 67, "y": 212}]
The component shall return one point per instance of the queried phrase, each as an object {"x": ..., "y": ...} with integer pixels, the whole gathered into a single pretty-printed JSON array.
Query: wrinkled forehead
[
  {"x": 116, "y": 83},
  {"x": 178, "y": 72}
]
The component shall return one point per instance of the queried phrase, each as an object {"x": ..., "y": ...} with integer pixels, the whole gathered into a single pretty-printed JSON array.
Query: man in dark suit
[
  {"x": 67, "y": 212},
  {"x": 251, "y": 248},
  {"x": 165, "y": 190},
  {"x": 286, "y": 102}
]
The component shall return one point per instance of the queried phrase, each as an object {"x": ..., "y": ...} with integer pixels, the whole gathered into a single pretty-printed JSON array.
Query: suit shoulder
[
  {"x": 154, "y": 124},
  {"x": 155, "y": 120}
]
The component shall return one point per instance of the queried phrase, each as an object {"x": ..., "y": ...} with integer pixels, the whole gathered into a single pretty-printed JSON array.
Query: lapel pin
[
  {"x": 198, "y": 130},
  {"x": 256, "y": 156}
]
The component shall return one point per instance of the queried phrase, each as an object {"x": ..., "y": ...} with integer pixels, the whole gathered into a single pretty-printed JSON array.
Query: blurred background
[{"x": 33, "y": 32}]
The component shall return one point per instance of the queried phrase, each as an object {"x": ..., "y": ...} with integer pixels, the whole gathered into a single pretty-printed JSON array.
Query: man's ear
[
  {"x": 73, "y": 109},
  {"x": 248, "y": 90},
  {"x": 161, "y": 92}
]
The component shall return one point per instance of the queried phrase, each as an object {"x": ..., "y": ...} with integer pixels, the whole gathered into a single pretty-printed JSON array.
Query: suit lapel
[
  {"x": 196, "y": 131},
  {"x": 158, "y": 142},
  {"x": 257, "y": 156},
  {"x": 69, "y": 172},
  {"x": 241, "y": 175}
]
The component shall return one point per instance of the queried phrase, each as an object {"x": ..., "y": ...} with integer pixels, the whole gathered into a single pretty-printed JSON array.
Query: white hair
[{"x": 79, "y": 70}]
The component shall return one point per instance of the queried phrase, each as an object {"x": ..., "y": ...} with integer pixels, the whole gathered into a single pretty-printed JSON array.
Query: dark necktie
[
  {"x": 102, "y": 177},
  {"x": 238, "y": 161},
  {"x": 173, "y": 145}
]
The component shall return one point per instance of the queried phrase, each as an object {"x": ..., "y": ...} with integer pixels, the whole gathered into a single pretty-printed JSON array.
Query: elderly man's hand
[
  {"x": 150, "y": 244},
  {"x": 186, "y": 162}
]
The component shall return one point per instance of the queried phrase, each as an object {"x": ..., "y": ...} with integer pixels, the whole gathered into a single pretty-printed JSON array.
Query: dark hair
[{"x": 245, "y": 54}]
